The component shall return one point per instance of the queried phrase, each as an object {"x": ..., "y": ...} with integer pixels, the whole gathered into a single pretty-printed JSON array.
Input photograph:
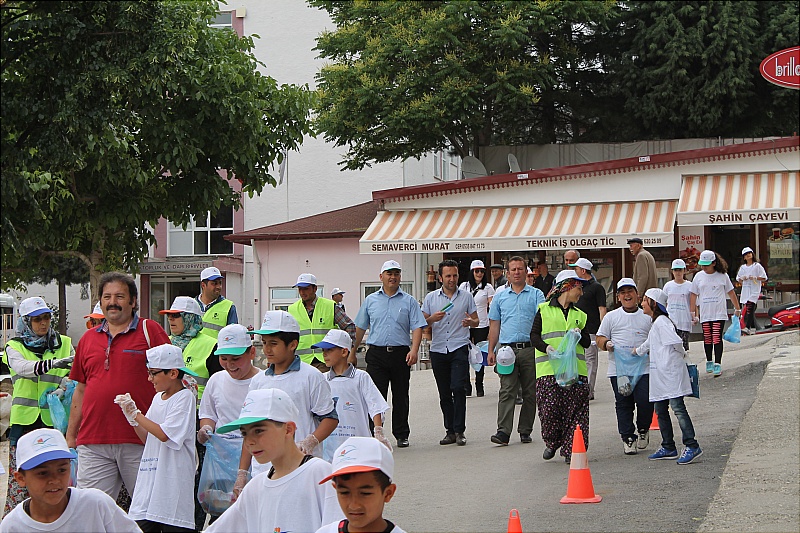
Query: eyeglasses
[
  {"x": 481, "y": 270},
  {"x": 154, "y": 373}
]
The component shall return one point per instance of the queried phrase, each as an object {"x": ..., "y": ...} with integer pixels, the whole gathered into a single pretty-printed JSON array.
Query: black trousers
[
  {"x": 451, "y": 371},
  {"x": 385, "y": 365},
  {"x": 477, "y": 335},
  {"x": 625, "y": 405},
  {"x": 148, "y": 526}
]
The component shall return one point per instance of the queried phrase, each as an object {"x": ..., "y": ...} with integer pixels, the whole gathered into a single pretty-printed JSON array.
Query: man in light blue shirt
[
  {"x": 390, "y": 314},
  {"x": 450, "y": 312},
  {"x": 510, "y": 320}
]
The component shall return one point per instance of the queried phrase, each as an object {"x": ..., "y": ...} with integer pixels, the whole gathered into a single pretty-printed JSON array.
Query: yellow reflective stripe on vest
[
  {"x": 25, "y": 408},
  {"x": 554, "y": 327},
  {"x": 553, "y": 335},
  {"x": 216, "y": 317},
  {"x": 310, "y": 335},
  {"x": 211, "y": 325}
]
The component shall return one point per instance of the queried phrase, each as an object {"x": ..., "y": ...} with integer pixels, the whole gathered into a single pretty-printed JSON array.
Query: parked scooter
[{"x": 784, "y": 316}]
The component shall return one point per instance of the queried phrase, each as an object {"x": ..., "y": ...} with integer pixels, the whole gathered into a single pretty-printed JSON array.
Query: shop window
[
  {"x": 203, "y": 235},
  {"x": 782, "y": 251},
  {"x": 280, "y": 298},
  {"x": 223, "y": 20}
]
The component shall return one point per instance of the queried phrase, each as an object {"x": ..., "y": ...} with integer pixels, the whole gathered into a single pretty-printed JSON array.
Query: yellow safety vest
[
  {"x": 195, "y": 356},
  {"x": 554, "y": 327},
  {"x": 216, "y": 318},
  {"x": 314, "y": 330},
  {"x": 27, "y": 391}
]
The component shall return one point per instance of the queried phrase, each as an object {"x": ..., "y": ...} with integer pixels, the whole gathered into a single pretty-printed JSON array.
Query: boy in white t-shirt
[
  {"x": 305, "y": 385},
  {"x": 355, "y": 395},
  {"x": 362, "y": 476},
  {"x": 225, "y": 391},
  {"x": 289, "y": 496},
  {"x": 164, "y": 494},
  {"x": 43, "y": 468}
]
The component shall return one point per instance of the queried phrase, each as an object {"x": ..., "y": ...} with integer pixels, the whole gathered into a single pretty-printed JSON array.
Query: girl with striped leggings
[{"x": 709, "y": 290}]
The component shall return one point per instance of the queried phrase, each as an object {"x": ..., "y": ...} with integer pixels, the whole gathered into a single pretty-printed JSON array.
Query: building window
[
  {"x": 203, "y": 236},
  {"x": 223, "y": 20},
  {"x": 369, "y": 288},
  {"x": 280, "y": 298}
]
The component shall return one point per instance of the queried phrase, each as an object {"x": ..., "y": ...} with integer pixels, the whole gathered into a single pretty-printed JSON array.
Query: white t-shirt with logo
[
  {"x": 626, "y": 331},
  {"x": 751, "y": 288},
  {"x": 712, "y": 291},
  {"x": 88, "y": 510},
  {"x": 678, "y": 304},
  {"x": 481, "y": 298},
  {"x": 165, "y": 483},
  {"x": 223, "y": 398}
]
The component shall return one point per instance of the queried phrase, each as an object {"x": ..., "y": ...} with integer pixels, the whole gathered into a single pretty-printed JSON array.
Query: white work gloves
[
  {"x": 308, "y": 444},
  {"x": 551, "y": 350},
  {"x": 238, "y": 486},
  {"x": 577, "y": 331},
  {"x": 609, "y": 346},
  {"x": 382, "y": 438},
  {"x": 66, "y": 362},
  {"x": 204, "y": 433},
  {"x": 128, "y": 407}
]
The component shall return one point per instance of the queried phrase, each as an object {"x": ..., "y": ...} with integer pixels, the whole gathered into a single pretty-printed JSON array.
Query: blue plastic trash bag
[
  {"x": 220, "y": 467},
  {"x": 734, "y": 333},
  {"x": 630, "y": 368},
  {"x": 565, "y": 360},
  {"x": 57, "y": 412}
]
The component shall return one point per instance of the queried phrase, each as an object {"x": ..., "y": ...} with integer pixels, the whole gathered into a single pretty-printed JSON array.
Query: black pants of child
[{"x": 148, "y": 526}]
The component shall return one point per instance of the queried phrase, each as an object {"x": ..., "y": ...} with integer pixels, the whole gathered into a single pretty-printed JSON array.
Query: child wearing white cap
[
  {"x": 678, "y": 292},
  {"x": 357, "y": 398},
  {"x": 164, "y": 494},
  {"x": 288, "y": 497},
  {"x": 43, "y": 467},
  {"x": 362, "y": 476},
  {"x": 669, "y": 380},
  {"x": 751, "y": 275}
]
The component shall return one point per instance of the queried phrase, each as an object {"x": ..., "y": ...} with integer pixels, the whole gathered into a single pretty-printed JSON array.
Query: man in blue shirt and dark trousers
[
  {"x": 390, "y": 314},
  {"x": 510, "y": 319},
  {"x": 450, "y": 312}
]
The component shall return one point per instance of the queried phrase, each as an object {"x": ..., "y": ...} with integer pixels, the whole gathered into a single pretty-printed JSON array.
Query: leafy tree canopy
[{"x": 117, "y": 113}]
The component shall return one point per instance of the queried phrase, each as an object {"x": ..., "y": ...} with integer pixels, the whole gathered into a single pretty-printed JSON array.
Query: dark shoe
[
  {"x": 469, "y": 391},
  {"x": 500, "y": 438},
  {"x": 548, "y": 454},
  {"x": 518, "y": 401},
  {"x": 525, "y": 438},
  {"x": 450, "y": 438},
  {"x": 402, "y": 443},
  {"x": 461, "y": 440},
  {"x": 567, "y": 460},
  {"x": 480, "y": 393}
]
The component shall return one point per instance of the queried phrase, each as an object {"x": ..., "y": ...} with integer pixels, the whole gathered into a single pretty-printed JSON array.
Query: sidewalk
[{"x": 760, "y": 487}]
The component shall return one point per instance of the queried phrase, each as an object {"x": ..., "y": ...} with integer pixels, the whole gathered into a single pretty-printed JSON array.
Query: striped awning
[
  {"x": 718, "y": 199},
  {"x": 520, "y": 228}
]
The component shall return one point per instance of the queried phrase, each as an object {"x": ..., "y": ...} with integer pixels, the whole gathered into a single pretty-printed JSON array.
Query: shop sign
[
  {"x": 692, "y": 242},
  {"x": 173, "y": 266},
  {"x": 783, "y": 68},
  {"x": 739, "y": 217},
  {"x": 780, "y": 250}
]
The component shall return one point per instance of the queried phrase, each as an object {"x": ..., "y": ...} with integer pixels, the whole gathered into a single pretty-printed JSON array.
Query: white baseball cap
[
  {"x": 529, "y": 272},
  {"x": 706, "y": 258},
  {"x": 335, "y": 338},
  {"x": 361, "y": 454},
  {"x": 678, "y": 263},
  {"x": 97, "y": 312},
  {"x": 183, "y": 304},
  {"x": 33, "y": 306},
  {"x": 626, "y": 282},
  {"x": 40, "y": 446},
  {"x": 391, "y": 264},
  {"x": 476, "y": 264},
  {"x": 505, "y": 360},
  {"x": 583, "y": 263},
  {"x": 210, "y": 274},
  {"x": 167, "y": 357},
  {"x": 337, "y": 290},
  {"x": 264, "y": 404},
  {"x": 304, "y": 280},
  {"x": 747, "y": 250},
  {"x": 568, "y": 274},
  {"x": 233, "y": 339},
  {"x": 277, "y": 321},
  {"x": 659, "y": 296}
]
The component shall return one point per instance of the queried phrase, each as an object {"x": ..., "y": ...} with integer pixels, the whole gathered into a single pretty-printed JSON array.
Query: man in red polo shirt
[{"x": 110, "y": 360}]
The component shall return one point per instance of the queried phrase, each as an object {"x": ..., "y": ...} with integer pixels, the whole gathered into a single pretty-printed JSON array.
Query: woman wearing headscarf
[
  {"x": 39, "y": 358},
  {"x": 561, "y": 409}
]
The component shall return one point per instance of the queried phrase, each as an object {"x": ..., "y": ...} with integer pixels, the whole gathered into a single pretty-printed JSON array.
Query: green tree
[
  {"x": 117, "y": 113},
  {"x": 64, "y": 271},
  {"x": 691, "y": 68},
  {"x": 405, "y": 78}
]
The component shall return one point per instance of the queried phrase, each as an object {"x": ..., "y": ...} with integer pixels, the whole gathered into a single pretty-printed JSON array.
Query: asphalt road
[{"x": 472, "y": 488}]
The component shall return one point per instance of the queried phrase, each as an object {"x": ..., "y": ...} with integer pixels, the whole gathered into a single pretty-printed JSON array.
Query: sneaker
[
  {"x": 644, "y": 440},
  {"x": 461, "y": 440},
  {"x": 450, "y": 438},
  {"x": 402, "y": 443},
  {"x": 525, "y": 438},
  {"x": 568, "y": 459},
  {"x": 709, "y": 367},
  {"x": 500, "y": 438},
  {"x": 518, "y": 401},
  {"x": 663, "y": 453},
  {"x": 717, "y": 370},
  {"x": 689, "y": 455},
  {"x": 629, "y": 446}
]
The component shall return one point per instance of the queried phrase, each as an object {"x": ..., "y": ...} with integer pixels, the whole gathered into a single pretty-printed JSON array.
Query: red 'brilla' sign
[{"x": 783, "y": 68}]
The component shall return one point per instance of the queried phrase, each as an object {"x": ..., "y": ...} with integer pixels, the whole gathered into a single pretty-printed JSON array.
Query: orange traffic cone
[
  {"x": 654, "y": 423},
  {"x": 514, "y": 525},
  {"x": 579, "y": 485}
]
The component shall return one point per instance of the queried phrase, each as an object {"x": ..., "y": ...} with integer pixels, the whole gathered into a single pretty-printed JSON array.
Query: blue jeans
[
  {"x": 451, "y": 371},
  {"x": 665, "y": 423}
]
